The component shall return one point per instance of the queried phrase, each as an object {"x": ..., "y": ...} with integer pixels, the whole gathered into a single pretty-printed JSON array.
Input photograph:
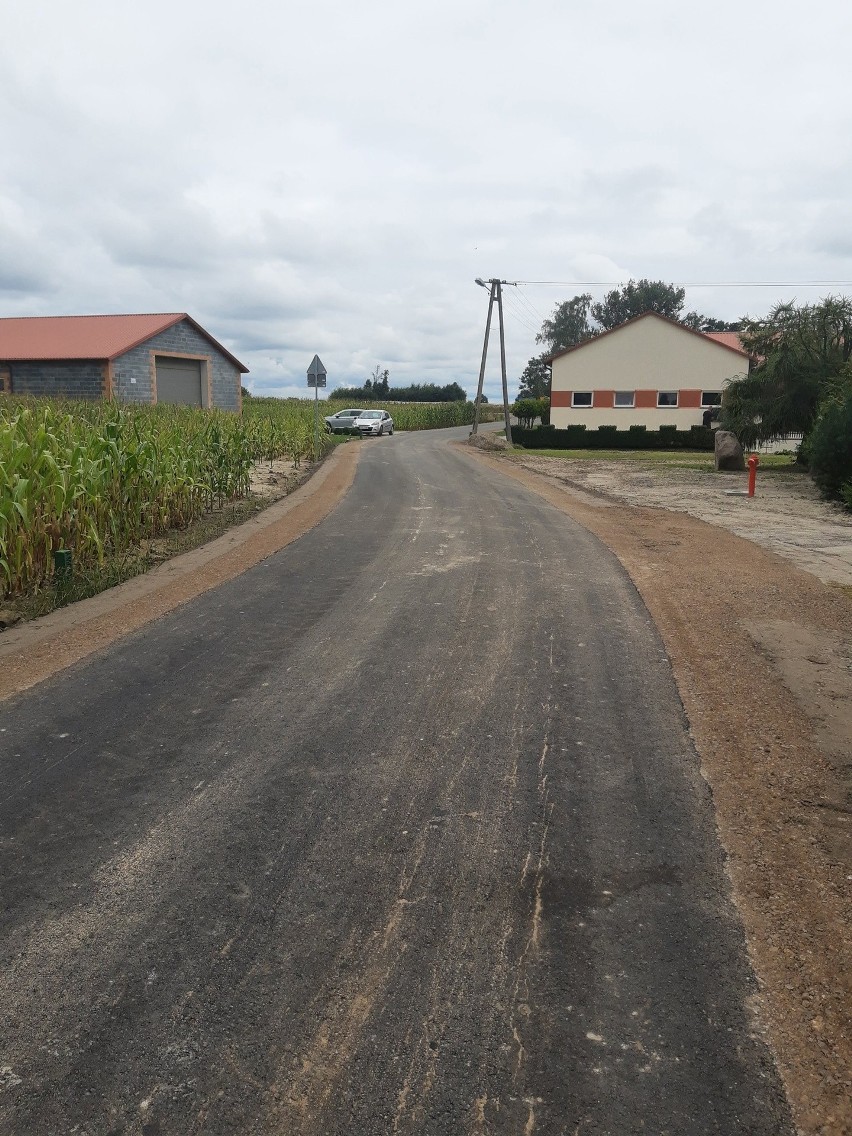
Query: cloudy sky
[{"x": 331, "y": 177}]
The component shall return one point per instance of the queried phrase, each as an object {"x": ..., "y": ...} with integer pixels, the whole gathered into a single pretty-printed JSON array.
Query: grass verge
[{"x": 679, "y": 459}]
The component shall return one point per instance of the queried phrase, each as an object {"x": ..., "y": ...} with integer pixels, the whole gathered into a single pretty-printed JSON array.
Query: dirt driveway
[{"x": 759, "y": 633}]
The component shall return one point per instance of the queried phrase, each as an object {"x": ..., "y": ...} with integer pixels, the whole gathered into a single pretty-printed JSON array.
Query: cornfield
[
  {"x": 413, "y": 415},
  {"x": 99, "y": 478}
]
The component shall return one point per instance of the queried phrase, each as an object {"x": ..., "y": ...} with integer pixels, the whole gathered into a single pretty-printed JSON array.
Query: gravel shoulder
[{"x": 761, "y": 646}]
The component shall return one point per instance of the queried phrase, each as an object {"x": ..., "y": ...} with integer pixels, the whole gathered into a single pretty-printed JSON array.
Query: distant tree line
[{"x": 378, "y": 389}]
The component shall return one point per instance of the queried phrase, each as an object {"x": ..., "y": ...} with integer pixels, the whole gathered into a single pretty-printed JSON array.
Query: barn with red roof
[{"x": 149, "y": 358}]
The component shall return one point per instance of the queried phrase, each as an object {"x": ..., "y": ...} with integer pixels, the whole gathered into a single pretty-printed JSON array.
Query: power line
[
  {"x": 518, "y": 310},
  {"x": 518, "y": 313},
  {"x": 527, "y": 327},
  {"x": 695, "y": 283},
  {"x": 536, "y": 314}
]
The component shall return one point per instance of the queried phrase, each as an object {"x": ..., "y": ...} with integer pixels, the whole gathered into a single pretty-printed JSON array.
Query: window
[
  {"x": 666, "y": 398},
  {"x": 623, "y": 398},
  {"x": 711, "y": 398},
  {"x": 581, "y": 398}
]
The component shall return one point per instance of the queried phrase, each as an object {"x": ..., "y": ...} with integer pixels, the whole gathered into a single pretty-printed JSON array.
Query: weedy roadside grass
[{"x": 58, "y": 591}]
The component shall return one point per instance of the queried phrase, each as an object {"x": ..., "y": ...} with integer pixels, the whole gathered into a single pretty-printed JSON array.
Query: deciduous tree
[
  {"x": 579, "y": 319},
  {"x": 535, "y": 380},
  {"x": 636, "y": 297},
  {"x": 803, "y": 358},
  {"x": 569, "y": 325}
]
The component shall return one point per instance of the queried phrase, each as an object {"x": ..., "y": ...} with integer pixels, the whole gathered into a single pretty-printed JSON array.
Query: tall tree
[
  {"x": 706, "y": 323},
  {"x": 379, "y": 381},
  {"x": 804, "y": 358},
  {"x": 577, "y": 320},
  {"x": 636, "y": 297},
  {"x": 535, "y": 380},
  {"x": 569, "y": 325}
]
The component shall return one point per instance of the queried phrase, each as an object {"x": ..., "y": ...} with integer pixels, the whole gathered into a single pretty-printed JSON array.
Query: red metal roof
[{"x": 87, "y": 337}]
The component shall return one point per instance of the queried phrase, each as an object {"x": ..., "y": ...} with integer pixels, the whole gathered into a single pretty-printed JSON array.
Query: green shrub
[
  {"x": 829, "y": 448},
  {"x": 577, "y": 437},
  {"x": 526, "y": 410}
]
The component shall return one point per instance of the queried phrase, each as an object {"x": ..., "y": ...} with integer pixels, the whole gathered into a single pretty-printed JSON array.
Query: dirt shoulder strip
[
  {"x": 761, "y": 653},
  {"x": 36, "y": 650}
]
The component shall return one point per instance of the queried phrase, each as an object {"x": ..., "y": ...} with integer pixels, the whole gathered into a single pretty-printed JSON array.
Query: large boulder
[{"x": 728, "y": 451}]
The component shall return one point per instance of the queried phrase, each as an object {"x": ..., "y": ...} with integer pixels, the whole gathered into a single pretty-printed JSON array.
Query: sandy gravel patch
[
  {"x": 786, "y": 515},
  {"x": 762, "y": 654}
]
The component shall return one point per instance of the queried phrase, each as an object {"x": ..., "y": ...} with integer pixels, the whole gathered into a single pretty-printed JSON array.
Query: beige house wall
[
  {"x": 682, "y": 416},
  {"x": 648, "y": 355}
]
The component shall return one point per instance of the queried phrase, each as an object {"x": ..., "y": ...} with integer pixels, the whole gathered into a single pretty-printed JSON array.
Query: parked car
[
  {"x": 375, "y": 422},
  {"x": 343, "y": 420}
]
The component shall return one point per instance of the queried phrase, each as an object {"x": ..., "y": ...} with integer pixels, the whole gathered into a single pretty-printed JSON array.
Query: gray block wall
[
  {"x": 77, "y": 380},
  {"x": 182, "y": 339}
]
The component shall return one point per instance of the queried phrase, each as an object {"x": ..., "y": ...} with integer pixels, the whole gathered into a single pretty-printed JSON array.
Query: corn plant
[{"x": 98, "y": 478}]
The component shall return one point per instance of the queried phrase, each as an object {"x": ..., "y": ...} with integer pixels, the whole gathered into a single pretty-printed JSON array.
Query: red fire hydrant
[{"x": 753, "y": 463}]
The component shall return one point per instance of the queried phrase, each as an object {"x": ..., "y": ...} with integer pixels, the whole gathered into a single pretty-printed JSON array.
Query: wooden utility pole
[
  {"x": 475, "y": 429},
  {"x": 503, "y": 363},
  {"x": 495, "y": 297}
]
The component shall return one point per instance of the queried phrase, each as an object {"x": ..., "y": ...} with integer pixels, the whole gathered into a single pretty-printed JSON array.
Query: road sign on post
[
  {"x": 316, "y": 379},
  {"x": 316, "y": 373}
]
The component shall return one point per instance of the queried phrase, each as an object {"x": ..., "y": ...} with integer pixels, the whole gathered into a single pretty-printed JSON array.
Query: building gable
[
  {"x": 727, "y": 340},
  {"x": 104, "y": 337},
  {"x": 650, "y": 371}
]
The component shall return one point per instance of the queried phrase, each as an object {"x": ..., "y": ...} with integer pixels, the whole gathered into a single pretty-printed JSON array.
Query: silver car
[
  {"x": 374, "y": 422},
  {"x": 343, "y": 420}
]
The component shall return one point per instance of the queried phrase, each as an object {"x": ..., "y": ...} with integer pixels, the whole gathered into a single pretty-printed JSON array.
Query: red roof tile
[
  {"x": 728, "y": 338},
  {"x": 86, "y": 337}
]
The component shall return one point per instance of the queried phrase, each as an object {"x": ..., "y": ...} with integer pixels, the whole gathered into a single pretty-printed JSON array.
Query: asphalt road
[{"x": 400, "y": 831}]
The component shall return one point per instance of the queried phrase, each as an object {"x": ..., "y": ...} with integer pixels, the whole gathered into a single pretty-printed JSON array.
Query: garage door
[{"x": 179, "y": 380}]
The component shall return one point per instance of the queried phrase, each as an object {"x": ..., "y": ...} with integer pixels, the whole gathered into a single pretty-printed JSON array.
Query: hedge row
[{"x": 611, "y": 438}]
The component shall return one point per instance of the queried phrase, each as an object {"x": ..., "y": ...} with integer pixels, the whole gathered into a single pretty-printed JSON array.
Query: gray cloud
[{"x": 332, "y": 177}]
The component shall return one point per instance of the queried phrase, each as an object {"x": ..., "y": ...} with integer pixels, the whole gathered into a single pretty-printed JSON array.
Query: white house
[{"x": 650, "y": 371}]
